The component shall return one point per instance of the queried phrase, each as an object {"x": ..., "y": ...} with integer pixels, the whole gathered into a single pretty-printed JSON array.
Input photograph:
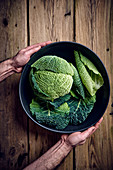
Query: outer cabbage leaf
[
  {"x": 35, "y": 107},
  {"x": 78, "y": 86},
  {"x": 90, "y": 76},
  {"x": 54, "y": 64},
  {"x": 89, "y": 64},
  {"x": 73, "y": 111},
  {"x": 58, "y": 118},
  {"x": 94, "y": 73},
  {"x": 36, "y": 89},
  {"x": 80, "y": 109}
]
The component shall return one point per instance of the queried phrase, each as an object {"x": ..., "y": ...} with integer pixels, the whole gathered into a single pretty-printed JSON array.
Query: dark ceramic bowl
[{"x": 65, "y": 50}]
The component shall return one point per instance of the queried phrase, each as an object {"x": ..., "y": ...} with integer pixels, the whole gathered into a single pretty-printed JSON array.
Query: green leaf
[
  {"x": 74, "y": 111},
  {"x": 89, "y": 64},
  {"x": 57, "y": 102},
  {"x": 54, "y": 64},
  {"x": 73, "y": 94},
  {"x": 35, "y": 107},
  {"x": 57, "y": 118},
  {"x": 80, "y": 109},
  {"x": 90, "y": 76},
  {"x": 64, "y": 108},
  {"x": 92, "y": 70},
  {"x": 35, "y": 87},
  {"x": 78, "y": 86}
]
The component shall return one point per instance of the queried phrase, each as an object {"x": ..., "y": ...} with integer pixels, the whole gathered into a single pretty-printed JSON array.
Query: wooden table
[{"x": 25, "y": 22}]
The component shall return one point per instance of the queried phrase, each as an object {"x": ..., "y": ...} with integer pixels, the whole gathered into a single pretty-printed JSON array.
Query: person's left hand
[{"x": 23, "y": 56}]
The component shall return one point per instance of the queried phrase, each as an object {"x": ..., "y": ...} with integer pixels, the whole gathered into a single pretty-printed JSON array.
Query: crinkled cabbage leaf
[
  {"x": 51, "y": 77},
  {"x": 80, "y": 109},
  {"x": 59, "y": 114},
  {"x": 57, "y": 118},
  {"x": 54, "y": 64}
]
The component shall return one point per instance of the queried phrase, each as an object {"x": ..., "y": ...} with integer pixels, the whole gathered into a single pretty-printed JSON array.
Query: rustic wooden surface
[
  {"x": 22, "y": 23},
  {"x": 94, "y": 28},
  {"x": 13, "y": 121}
]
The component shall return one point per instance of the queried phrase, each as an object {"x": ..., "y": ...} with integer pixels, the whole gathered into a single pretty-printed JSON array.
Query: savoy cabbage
[{"x": 63, "y": 93}]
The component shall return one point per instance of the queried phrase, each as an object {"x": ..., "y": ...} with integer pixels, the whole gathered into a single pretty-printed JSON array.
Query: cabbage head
[
  {"x": 63, "y": 93},
  {"x": 51, "y": 77}
]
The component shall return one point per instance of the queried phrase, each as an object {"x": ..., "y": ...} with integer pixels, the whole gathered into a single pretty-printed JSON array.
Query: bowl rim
[{"x": 49, "y": 128}]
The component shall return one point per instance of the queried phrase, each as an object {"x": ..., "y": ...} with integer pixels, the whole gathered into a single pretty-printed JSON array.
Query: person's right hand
[{"x": 79, "y": 138}]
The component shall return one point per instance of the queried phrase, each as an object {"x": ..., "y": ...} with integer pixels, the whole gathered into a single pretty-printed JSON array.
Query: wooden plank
[
  {"x": 94, "y": 28},
  {"x": 49, "y": 20},
  {"x": 13, "y": 120},
  {"x": 45, "y": 17}
]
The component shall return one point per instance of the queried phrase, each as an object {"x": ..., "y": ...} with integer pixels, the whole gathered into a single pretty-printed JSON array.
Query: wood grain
[
  {"x": 26, "y": 22},
  {"x": 13, "y": 121},
  {"x": 94, "y": 28},
  {"x": 49, "y": 20}
]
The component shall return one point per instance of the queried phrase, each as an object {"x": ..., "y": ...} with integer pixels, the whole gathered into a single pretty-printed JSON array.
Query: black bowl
[{"x": 66, "y": 51}]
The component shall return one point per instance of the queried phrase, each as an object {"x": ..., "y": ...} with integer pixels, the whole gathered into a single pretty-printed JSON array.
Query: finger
[
  {"x": 45, "y": 43},
  {"x": 81, "y": 143},
  {"x": 96, "y": 126},
  {"x": 32, "y": 51},
  {"x": 87, "y": 132},
  {"x": 31, "y": 46},
  {"x": 36, "y": 45},
  {"x": 99, "y": 122}
]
